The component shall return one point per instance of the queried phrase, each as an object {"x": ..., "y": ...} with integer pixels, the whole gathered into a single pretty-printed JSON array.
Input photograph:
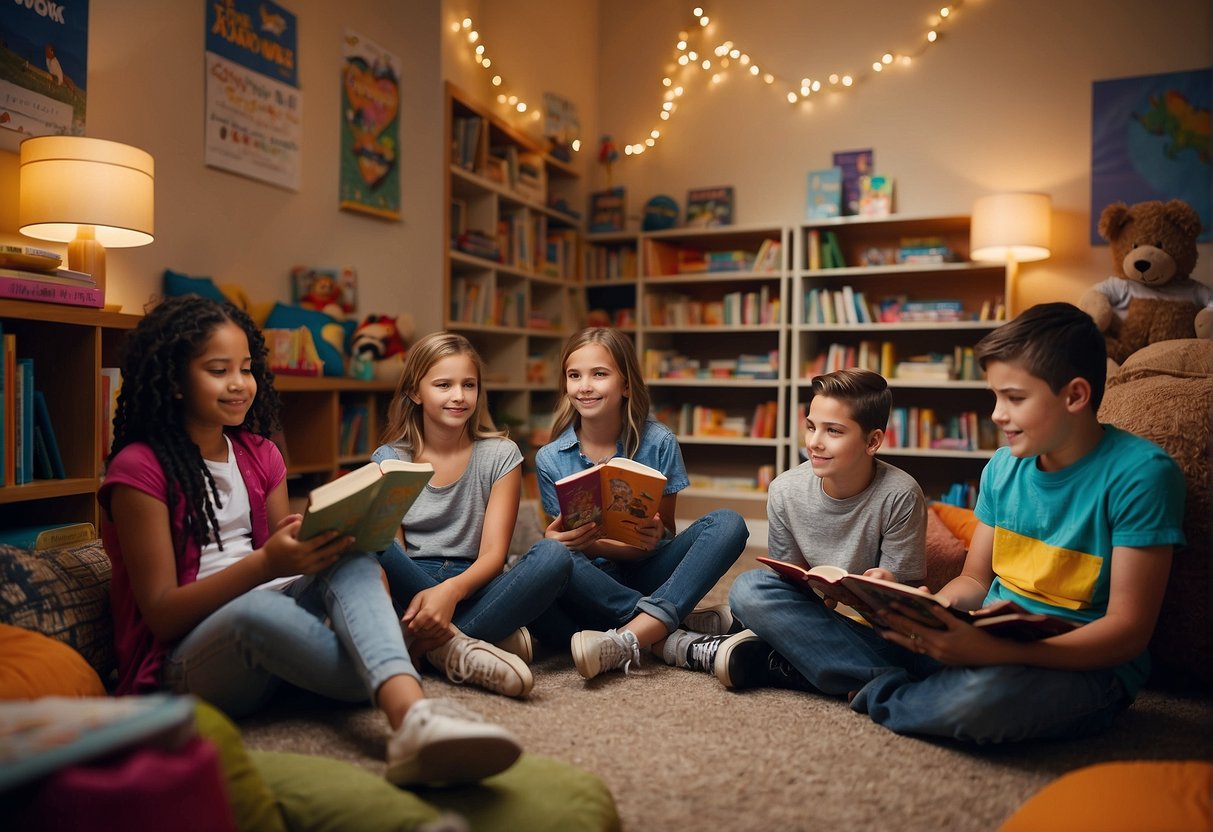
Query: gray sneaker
[
  {"x": 466, "y": 659},
  {"x": 595, "y": 651},
  {"x": 442, "y": 742},
  {"x": 695, "y": 651},
  {"x": 709, "y": 621}
]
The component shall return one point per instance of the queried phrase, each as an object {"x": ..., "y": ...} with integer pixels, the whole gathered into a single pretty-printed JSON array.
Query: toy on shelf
[
  {"x": 379, "y": 345},
  {"x": 1151, "y": 297}
]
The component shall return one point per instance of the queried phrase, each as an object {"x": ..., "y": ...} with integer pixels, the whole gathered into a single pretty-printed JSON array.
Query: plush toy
[
  {"x": 1151, "y": 297},
  {"x": 379, "y": 345}
]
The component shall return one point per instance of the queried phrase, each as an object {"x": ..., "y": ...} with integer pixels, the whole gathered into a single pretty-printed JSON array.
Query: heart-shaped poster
[{"x": 373, "y": 96}]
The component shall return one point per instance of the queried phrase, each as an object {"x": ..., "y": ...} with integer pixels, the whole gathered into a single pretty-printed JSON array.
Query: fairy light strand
[{"x": 694, "y": 53}]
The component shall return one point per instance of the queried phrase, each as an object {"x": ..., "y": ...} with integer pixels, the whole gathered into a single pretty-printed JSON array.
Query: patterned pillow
[{"x": 64, "y": 594}]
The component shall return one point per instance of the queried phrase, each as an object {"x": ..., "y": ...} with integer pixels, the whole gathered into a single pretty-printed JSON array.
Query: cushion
[
  {"x": 945, "y": 553},
  {"x": 33, "y": 665},
  {"x": 1181, "y": 358},
  {"x": 959, "y": 521},
  {"x": 537, "y": 793},
  {"x": 251, "y": 801},
  {"x": 177, "y": 284},
  {"x": 61, "y": 593},
  {"x": 1121, "y": 797},
  {"x": 283, "y": 316}
]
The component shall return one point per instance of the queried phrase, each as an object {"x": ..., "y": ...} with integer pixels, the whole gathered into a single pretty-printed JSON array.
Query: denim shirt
[{"x": 562, "y": 457}]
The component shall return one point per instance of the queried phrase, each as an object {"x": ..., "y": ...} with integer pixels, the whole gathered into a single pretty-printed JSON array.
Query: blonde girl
[{"x": 446, "y": 565}]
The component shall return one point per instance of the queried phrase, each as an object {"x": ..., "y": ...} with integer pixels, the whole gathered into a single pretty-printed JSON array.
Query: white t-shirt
[{"x": 235, "y": 522}]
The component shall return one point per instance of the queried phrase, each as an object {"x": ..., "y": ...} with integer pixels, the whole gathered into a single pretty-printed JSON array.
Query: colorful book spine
[{"x": 18, "y": 288}]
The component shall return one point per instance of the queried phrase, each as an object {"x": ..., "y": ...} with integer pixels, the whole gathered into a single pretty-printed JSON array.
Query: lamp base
[{"x": 85, "y": 254}]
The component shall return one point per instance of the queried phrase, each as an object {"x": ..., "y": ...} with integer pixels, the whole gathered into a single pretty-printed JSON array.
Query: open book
[
  {"x": 863, "y": 597},
  {"x": 368, "y": 502},
  {"x": 617, "y": 494}
]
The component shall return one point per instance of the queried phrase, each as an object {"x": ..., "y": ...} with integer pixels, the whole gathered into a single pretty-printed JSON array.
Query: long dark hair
[{"x": 155, "y": 361}]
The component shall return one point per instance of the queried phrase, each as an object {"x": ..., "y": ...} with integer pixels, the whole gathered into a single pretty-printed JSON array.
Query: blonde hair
[
  {"x": 405, "y": 422},
  {"x": 623, "y": 353}
]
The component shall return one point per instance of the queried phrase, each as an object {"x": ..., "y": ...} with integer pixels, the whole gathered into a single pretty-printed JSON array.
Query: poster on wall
[
  {"x": 43, "y": 69},
  {"x": 1150, "y": 139},
  {"x": 370, "y": 129},
  {"x": 254, "y": 108}
]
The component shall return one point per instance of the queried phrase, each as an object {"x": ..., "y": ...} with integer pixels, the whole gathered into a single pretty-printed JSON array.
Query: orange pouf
[{"x": 1167, "y": 796}]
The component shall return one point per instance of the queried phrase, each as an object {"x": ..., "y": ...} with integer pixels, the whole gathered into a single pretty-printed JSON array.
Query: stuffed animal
[
  {"x": 378, "y": 346},
  {"x": 1151, "y": 297}
]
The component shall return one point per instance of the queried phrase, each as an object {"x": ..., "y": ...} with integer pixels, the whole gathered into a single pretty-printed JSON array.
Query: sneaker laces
[
  {"x": 450, "y": 708},
  {"x": 477, "y": 665},
  {"x": 620, "y": 648},
  {"x": 702, "y": 652}
]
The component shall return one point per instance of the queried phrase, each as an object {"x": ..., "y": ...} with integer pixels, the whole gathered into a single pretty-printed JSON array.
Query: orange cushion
[
  {"x": 1122, "y": 797},
  {"x": 34, "y": 665},
  {"x": 960, "y": 521}
]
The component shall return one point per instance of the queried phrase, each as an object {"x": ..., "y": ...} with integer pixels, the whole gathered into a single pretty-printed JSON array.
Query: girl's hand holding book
[
  {"x": 286, "y": 554},
  {"x": 578, "y": 539}
]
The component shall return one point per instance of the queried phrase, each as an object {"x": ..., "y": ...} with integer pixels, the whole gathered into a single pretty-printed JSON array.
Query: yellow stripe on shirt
[{"x": 1050, "y": 574}]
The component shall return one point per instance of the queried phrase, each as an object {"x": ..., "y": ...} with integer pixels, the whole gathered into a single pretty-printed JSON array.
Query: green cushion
[
  {"x": 535, "y": 794},
  {"x": 321, "y": 794},
  {"x": 251, "y": 800}
]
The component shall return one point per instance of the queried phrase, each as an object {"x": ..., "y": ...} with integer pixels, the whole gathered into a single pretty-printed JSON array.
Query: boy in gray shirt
[{"x": 842, "y": 507}]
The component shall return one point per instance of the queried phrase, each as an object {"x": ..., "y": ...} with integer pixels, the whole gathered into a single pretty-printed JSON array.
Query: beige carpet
[{"x": 679, "y": 752}]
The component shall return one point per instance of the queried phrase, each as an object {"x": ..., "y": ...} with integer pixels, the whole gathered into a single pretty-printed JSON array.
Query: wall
[
  {"x": 146, "y": 86},
  {"x": 1001, "y": 102}
]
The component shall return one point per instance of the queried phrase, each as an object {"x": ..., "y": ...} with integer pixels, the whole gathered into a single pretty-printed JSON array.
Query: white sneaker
[
  {"x": 466, "y": 659},
  {"x": 442, "y": 742},
  {"x": 710, "y": 621},
  {"x": 519, "y": 643},
  {"x": 595, "y": 651}
]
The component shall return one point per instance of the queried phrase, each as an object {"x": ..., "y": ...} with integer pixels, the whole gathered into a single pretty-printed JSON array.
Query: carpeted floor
[{"x": 679, "y": 752}]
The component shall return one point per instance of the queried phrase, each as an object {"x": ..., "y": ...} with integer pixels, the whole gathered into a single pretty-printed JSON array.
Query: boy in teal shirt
[{"x": 1076, "y": 519}]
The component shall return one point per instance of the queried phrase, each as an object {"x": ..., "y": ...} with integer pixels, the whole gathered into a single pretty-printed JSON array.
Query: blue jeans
[
  {"x": 239, "y": 655},
  {"x": 603, "y": 594},
  {"x": 913, "y": 694},
  {"x": 509, "y": 601}
]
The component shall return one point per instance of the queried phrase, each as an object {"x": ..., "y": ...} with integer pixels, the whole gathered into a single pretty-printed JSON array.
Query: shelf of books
[
  {"x": 56, "y": 409},
  {"x": 898, "y": 295},
  {"x": 513, "y": 261},
  {"x": 712, "y": 335}
]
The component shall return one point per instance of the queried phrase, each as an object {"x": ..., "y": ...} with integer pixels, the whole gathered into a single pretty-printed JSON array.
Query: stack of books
[{"x": 34, "y": 274}]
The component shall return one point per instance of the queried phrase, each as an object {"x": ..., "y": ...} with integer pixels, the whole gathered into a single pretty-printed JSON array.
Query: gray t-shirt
[
  {"x": 446, "y": 521},
  {"x": 884, "y": 525}
]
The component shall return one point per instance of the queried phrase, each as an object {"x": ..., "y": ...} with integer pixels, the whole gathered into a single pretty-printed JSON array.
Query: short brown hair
[
  {"x": 1056, "y": 342},
  {"x": 865, "y": 392}
]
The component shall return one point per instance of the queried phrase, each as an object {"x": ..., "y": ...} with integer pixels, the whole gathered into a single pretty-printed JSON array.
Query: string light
[{"x": 693, "y": 41}]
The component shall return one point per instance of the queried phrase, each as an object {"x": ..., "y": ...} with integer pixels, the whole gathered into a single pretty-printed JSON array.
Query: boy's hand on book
[
  {"x": 956, "y": 643},
  {"x": 883, "y": 574}
]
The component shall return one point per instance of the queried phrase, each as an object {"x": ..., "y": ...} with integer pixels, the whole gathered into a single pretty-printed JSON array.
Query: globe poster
[{"x": 1150, "y": 139}]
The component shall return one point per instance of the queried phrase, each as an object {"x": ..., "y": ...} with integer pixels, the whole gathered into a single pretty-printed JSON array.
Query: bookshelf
[
  {"x": 956, "y": 403},
  {"x": 512, "y": 278},
  {"x": 71, "y": 344},
  {"x": 712, "y": 334}
]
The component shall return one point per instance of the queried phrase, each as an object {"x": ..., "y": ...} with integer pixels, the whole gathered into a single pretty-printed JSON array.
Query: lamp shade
[
  {"x": 73, "y": 181},
  {"x": 1011, "y": 226}
]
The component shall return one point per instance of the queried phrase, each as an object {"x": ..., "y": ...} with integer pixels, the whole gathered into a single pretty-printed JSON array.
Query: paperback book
[
  {"x": 607, "y": 210},
  {"x": 368, "y": 503},
  {"x": 825, "y": 194},
  {"x": 710, "y": 207},
  {"x": 617, "y": 494},
  {"x": 854, "y": 164},
  {"x": 868, "y": 597}
]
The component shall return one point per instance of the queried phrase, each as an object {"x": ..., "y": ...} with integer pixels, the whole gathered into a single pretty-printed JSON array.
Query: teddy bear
[
  {"x": 379, "y": 345},
  {"x": 1151, "y": 297}
]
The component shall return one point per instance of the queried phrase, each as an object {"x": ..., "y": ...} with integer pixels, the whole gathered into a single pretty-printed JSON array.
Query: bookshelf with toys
[
  {"x": 512, "y": 264},
  {"x": 897, "y": 294},
  {"x": 712, "y": 337}
]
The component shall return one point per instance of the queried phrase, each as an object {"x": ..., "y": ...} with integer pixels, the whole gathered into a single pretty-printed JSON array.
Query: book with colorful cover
[
  {"x": 710, "y": 207},
  {"x": 825, "y": 194},
  {"x": 45, "y": 291},
  {"x": 617, "y": 494},
  {"x": 875, "y": 195},
  {"x": 867, "y": 597},
  {"x": 854, "y": 164},
  {"x": 368, "y": 503},
  {"x": 606, "y": 210}
]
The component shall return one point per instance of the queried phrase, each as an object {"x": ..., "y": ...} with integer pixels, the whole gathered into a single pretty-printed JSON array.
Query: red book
[{"x": 18, "y": 288}]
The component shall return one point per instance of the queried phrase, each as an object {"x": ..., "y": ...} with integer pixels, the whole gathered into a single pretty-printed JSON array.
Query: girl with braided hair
[{"x": 213, "y": 593}]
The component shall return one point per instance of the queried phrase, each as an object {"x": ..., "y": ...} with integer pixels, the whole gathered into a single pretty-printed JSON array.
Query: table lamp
[
  {"x": 88, "y": 193},
  {"x": 1010, "y": 228}
]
